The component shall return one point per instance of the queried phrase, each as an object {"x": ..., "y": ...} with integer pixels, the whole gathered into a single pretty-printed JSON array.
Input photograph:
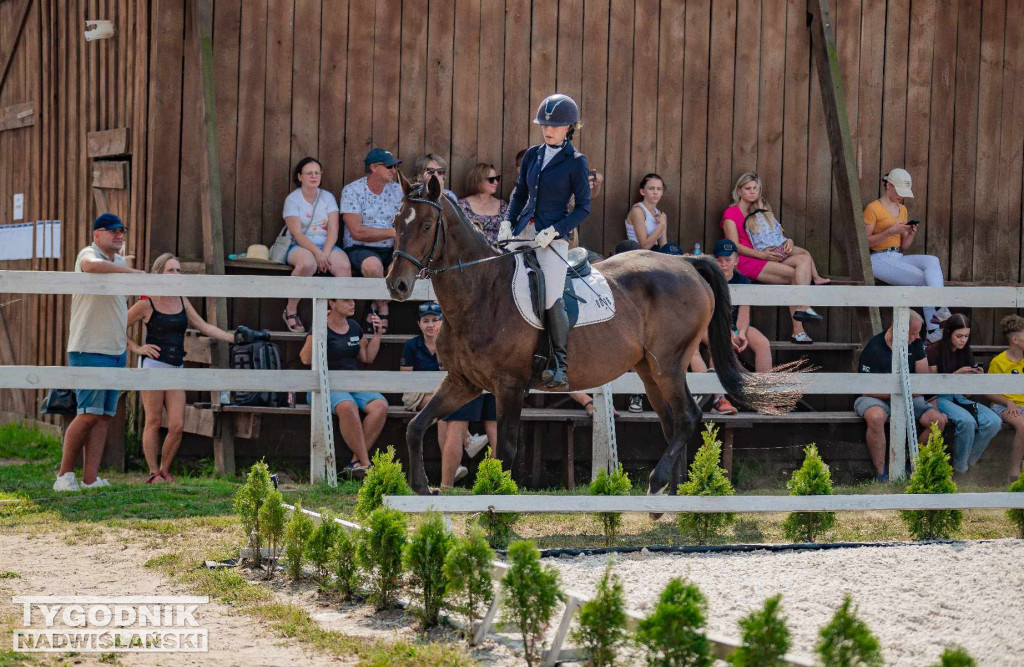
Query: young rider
[{"x": 552, "y": 173}]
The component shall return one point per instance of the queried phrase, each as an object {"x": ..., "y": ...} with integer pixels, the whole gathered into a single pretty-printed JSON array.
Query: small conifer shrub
[
  {"x": 811, "y": 479},
  {"x": 1017, "y": 515},
  {"x": 380, "y": 554},
  {"x": 615, "y": 484},
  {"x": 321, "y": 541},
  {"x": 273, "y": 518},
  {"x": 424, "y": 561},
  {"x": 933, "y": 474},
  {"x": 467, "y": 573},
  {"x": 531, "y": 594},
  {"x": 491, "y": 480},
  {"x": 248, "y": 501},
  {"x": 956, "y": 656},
  {"x": 673, "y": 635},
  {"x": 297, "y": 535},
  {"x": 601, "y": 629},
  {"x": 345, "y": 565},
  {"x": 846, "y": 641},
  {"x": 384, "y": 478},
  {"x": 706, "y": 478},
  {"x": 765, "y": 637}
]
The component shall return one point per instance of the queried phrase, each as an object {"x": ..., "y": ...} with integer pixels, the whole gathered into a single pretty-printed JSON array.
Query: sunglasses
[
  {"x": 493, "y": 179},
  {"x": 430, "y": 171},
  {"x": 121, "y": 231}
]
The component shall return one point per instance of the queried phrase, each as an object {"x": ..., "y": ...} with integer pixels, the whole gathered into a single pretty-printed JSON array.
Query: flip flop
[{"x": 292, "y": 321}]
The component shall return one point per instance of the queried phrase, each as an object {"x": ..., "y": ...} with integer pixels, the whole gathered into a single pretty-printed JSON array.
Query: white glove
[
  {"x": 505, "y": 232},
  {"x": 546, "y": 236}
]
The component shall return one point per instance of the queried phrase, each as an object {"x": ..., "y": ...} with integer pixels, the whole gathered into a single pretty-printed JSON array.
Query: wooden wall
[{"x": 698, "y": 91}]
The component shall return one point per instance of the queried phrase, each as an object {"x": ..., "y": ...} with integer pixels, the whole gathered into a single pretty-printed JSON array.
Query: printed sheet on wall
[
  {"x": 48, "y": 239},
  {"x": 28, "y": 240}
]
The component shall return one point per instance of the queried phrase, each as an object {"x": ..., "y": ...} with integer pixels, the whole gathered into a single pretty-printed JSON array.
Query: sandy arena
[{"x": 916, "y": 599}]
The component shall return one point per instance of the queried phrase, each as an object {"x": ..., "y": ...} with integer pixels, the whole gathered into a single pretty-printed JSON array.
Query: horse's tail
[{"x": 748, "y": 389}]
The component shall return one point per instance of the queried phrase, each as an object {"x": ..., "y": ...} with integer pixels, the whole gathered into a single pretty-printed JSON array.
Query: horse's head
[{"x": 419, "y": 230}]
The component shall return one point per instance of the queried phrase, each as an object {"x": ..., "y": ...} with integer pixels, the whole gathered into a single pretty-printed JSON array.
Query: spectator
[
  {"x": 1009, "y": 406},
  {"x": 889, "y": 234},
  {"x": 480, "y": 204},
  {"x": 645, "y": 224},
  {"x": 744, "y": 336},
  {"x": 420, "y": 354},
  {"x": 787, "y": 265},
  {"x": 432, "y": 164},
  {"x": 98, "y": 339},
  {"x": 311, "y": 218},
  {"x": 368, "y": 208},
  {"x": 975, "y": 424},
  {"x": 874, "y": 408},
  {"x": 166, "y": 319},
  {"x": 346, "y": 347}
]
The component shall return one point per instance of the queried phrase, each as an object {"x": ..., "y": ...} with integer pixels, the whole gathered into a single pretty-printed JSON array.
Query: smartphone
[
  {"x": 592, "y": 173},
  {"x": 980, "y": 367},
  {"x": 914, "y": 222}
]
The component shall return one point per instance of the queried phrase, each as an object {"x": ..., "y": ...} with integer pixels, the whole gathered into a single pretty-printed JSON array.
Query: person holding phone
[
  {"x": 889, "y": 235},
  {"x": 975, "y": 423}
]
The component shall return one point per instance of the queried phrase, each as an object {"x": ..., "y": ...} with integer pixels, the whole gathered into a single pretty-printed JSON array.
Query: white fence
[{"x": 319, "y": 381}]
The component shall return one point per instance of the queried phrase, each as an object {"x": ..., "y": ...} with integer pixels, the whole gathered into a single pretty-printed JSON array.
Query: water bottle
[
  {"x": 233, "y": 256},
  {"x": 696, "y": 249}
]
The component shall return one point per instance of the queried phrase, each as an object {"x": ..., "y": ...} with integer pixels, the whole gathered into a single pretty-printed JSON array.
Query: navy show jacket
[{"x": 543, "y": 194}]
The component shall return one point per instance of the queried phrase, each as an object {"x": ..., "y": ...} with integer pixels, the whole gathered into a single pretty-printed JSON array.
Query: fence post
[
  {"x": 322, "y": 466},
  {"x": 902, "y": 429},
  {"x": 552, "y": 655},
  {"x": 604, "y": 450}
]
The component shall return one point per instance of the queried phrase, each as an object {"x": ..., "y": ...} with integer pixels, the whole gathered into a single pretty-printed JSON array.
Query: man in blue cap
[
  {"x": 743, "y": 335},
  {"x": 98, "y": 339},
  {"x": 368, "y": 207}
]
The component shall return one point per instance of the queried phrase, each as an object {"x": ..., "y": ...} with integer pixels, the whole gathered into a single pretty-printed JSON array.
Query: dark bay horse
[{"x": 663, "y": 306}]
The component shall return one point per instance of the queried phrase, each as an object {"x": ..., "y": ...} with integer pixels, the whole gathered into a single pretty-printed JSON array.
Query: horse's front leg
[
  {"x": 454, "y": 392},
  {"x": 510, "y": 407}
]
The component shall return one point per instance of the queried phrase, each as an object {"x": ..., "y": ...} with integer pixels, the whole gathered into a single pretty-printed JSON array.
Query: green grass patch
[
  {"x": 9, "y": 574},
  {"x": 18, "y": 440}
]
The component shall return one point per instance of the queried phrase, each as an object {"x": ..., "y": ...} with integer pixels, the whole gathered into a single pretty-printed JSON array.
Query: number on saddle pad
[{"x": 262, "y": 356}]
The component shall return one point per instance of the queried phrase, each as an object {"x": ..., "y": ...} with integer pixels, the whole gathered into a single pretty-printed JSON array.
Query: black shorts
[
  {"x": 483, "y": 408},
  {"x": 357, "y": 254}
]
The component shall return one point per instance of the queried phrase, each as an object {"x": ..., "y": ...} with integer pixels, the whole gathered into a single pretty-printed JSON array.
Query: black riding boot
[{"x": 558, "y": 328}]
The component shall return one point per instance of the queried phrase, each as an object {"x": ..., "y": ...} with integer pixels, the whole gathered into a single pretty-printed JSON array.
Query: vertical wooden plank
[
  {"x": 515, "y": 130},
  {"x": 413, "y": 97},
  {"x": 190, "y": 240},
  {"x": 277, "y": 118},
  {"x": 386, "y": 71},
  {"x": 490, "y": 96},
  {"x": 670, "y": 130},
  {"x": 694, "y": 213},
  {"x": 140, "y": 114},
  {"x": 543, "y": 45},
  {"x": 227, "y": 17},
  {"x": 771, "y": 98},
  {"x": 617, "y": 185},
  {"x": 1010, "y": 254},
  {"x": 748, "y": 49},
  {"x": 305, "y": 102},
  {"x": 965, "y": 140},
  {"x": 895, "y": 96},
  {"x": 645, "y": 97},
  {"x": 793, "y": 205},
  {"x": 846, "y": 18},
  {"x": 593, "y": 107},
  {"x": 721, "y": 94},
  {"x": 359, "y": 91},
  {"x": 465, "y": 93},
  {"x": 875, "y": 64},
  {"x": 919, "y": 112},
  {"x": 569, "y": 69},
  {"x": 940, "y": 151},
  {"x": 440, "y": 57},
  {"x": 333, "y": 85}
]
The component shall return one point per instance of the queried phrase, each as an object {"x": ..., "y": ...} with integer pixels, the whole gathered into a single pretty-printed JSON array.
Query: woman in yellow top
[
  {"x": 889, "y": 234},
  {"x": 1009, "y": 406}
]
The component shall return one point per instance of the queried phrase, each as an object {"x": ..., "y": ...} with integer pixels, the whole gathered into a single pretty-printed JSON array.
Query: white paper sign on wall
[{"x": 19, "y": 206}]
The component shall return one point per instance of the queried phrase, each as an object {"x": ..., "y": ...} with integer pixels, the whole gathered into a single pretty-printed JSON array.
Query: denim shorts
[
  {"x": 999, "y": 409},
  {"x": 864, "y": 403},
  {"x": 97, "y": 401},
  {"x": 294, "y": 245},
  {"x": 360, "y": 398},
  {"x": 358, "y": 254},
  {"x": 483, "y": 408}
]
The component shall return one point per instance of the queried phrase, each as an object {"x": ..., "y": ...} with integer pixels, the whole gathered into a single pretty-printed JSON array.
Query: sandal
[
  {"x": 808, "y": 315},
  {"x": 355, "y": 470},
  {"x": 801, "y": 338},
  {"x": 293, "y": 322},
  {"x": 153, "y": 477},
  {"x": 168, "y": 477}
]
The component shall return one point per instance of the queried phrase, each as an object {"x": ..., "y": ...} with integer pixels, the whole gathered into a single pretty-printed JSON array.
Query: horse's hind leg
[
  {"x": 510, "y": 407},
  {"x": 685, "y": 414}
]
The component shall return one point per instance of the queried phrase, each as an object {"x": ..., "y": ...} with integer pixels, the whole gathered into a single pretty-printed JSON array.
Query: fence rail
[{"x": 900, "y": 384}]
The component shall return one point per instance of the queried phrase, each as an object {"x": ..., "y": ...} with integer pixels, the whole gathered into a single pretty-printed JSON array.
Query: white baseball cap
[{"x": 900, "y": 179}]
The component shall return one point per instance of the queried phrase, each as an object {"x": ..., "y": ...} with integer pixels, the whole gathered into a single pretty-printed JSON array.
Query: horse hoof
[
  {"x": 656, "y": 515},
  {"x": 434, "y": 492},
  {"x": 422, "y": 491}
]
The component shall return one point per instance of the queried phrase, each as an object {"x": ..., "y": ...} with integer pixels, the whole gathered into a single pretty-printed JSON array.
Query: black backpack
[{"x": 263, "y": 356}]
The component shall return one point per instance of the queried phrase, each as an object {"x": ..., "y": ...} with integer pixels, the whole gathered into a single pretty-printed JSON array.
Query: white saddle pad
[{"x": 594, "y": 308}]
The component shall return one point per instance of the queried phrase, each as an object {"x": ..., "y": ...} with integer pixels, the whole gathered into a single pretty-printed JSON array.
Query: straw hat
[{"x": 258, "y": 253}]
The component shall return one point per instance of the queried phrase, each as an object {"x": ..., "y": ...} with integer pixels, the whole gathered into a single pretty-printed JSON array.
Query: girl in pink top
[{"x": 783, "y": 265}]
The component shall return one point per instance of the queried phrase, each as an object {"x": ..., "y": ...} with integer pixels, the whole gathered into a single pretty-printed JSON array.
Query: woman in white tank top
[{"x": 645, "y": 224}]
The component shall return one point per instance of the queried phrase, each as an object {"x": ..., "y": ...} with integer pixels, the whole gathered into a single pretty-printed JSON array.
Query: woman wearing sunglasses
[
  {"x": 432, "y": 164},
  {"x": 480, "y": 204}
]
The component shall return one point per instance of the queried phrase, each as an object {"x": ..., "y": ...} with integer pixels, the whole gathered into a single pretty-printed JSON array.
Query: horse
[{"x": 664, "y": 304}]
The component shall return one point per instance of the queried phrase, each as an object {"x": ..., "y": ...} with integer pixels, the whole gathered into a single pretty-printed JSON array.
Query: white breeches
[{"x": 553, "y": 262}]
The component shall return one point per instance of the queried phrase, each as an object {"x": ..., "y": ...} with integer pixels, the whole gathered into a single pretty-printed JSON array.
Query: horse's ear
[
  {"x": 434, "y": 188},
  {"x": 404, "y": 182}
]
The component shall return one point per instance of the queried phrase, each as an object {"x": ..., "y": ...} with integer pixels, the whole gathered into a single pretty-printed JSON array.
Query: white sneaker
[
  {"x": 934, "y": 335},
  {"x": 98, "y": 484},
  {"x": 474, "y": 443},
  {"x": 636, "y": 403},
  {"x": 940, "y": 315},
  {"x": 460, "y": 473},
  {"x": 66, "y": 482}
]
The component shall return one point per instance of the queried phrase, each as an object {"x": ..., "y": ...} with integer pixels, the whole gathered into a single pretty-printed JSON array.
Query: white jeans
[
  {"x": 553, "y": 262},
  {"x": 896, "y": 268}
]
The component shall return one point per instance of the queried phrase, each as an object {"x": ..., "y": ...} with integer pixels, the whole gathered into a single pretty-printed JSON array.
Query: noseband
[{"x": 423, "y": 263}]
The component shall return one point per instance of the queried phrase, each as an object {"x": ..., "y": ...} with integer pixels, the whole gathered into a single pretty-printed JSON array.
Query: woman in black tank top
[{"x": 166, "y": 319}]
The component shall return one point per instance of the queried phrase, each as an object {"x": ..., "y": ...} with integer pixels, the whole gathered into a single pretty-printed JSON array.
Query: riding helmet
[{"x": 557, "y": 110}]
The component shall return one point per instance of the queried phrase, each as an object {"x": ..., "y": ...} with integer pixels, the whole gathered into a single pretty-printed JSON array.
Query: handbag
[
  {"x": 970, "y": 406},
  {"x": 279, "y": 250},
  {"x": 59, "y": 402}
]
